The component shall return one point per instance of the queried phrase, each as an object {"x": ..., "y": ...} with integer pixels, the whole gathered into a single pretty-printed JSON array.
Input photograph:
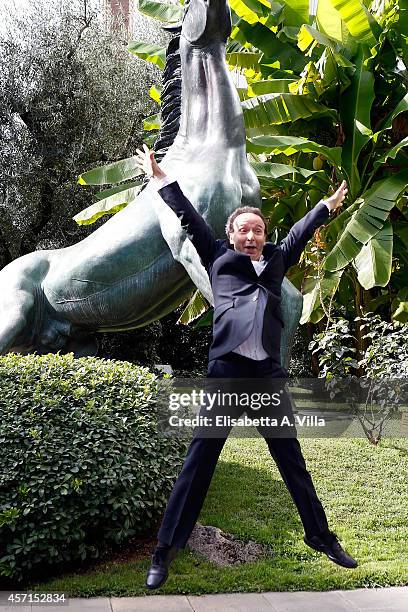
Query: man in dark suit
[{"x": 246, "y": 275}]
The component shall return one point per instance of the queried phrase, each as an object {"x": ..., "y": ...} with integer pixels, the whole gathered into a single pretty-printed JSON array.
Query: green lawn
[{"x": 363, "y": 488}]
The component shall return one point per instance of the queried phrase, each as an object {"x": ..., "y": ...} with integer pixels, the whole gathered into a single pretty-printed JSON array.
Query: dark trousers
[{"x": 190, "y": 489}]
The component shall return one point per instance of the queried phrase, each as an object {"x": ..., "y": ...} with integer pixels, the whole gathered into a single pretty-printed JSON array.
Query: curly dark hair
[{"x": 229, "y": 226}]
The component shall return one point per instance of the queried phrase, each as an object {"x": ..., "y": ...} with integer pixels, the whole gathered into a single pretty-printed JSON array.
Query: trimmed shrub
[{"x": 82, "y": 464}]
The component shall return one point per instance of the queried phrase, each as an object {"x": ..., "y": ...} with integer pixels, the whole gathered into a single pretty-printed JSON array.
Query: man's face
[{"x": 249, "y": 235}]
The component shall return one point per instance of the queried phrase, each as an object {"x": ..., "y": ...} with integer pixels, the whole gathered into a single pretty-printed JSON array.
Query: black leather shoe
[
  {"x": 329, "y": 545},
  {"x": 159, "y": 569}
]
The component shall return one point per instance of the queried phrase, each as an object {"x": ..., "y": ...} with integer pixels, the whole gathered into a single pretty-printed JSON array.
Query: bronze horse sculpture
[{"x": 140, "y": 265}]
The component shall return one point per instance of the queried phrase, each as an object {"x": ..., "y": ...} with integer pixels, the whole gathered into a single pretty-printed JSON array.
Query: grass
[{"x": 364, "y": 490}]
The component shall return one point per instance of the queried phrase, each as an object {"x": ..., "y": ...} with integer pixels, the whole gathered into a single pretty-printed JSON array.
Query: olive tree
[{"x": 71, "y": 96}]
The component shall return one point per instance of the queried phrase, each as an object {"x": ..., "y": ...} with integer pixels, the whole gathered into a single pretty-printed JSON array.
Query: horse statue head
[{"x": 206, "y": 21}]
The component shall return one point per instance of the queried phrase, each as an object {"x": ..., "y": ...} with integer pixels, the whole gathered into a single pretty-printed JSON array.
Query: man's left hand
[{"x": 336, "y": 200}]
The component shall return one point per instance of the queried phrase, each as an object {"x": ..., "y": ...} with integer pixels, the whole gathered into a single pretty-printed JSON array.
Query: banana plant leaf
[
  {"x": 308, "y": 35},
  {"x": 116, "y": 172},
  {"x": 337, "y": 225},
  {"x": 273, "y": 145},
  {"x": 355, "y": 108},
  {"x": 287, "y": 185},
  {"x": 245, "y": 60},
  {"x": 108, "y": 192},
  {"x": 330, "y": 22},
  {"x": 276, "y": 211},
  {"x": 259, "y": 88},
  {"x": 316, "y": 290},
  {"x": 196, "y": 306},
  {"x": 205, "y": 320},
  {"x": 282, "y": 108},
  {"x": 250, "y": 10},
  {"x": 365, "y": 222},
  {"x": 392, "y": 153},
  {"x": 151, "y": 123},
  {"x": 355, "y": 16},
  {"x": 273, "y": 170},
  {"x": 169, "y": 13},
  {"x": 149, "y": 138},
  {"x": 374, "y": 262},
  {"x": 150, "y": 53},
  {"x": 401, "y": 230},
  {"x": 400, "y": 108},
  {"x": 108, "y": 206},
  {"x": 273, "y": 47},
  {"x": 296, "y": 12},
  {"x": 155, "y": 93},
  {"x": 400, "y": 306},
  {"x": 272, "y": 177}
]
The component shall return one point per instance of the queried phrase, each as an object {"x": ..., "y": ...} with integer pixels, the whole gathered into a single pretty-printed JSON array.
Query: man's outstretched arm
[
  {"x": 293, "y": 245},
  {"x": 198, "y": 231}
]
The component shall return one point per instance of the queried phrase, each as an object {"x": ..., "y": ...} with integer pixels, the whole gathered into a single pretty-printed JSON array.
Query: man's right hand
[{"x": 145, "y": 161}]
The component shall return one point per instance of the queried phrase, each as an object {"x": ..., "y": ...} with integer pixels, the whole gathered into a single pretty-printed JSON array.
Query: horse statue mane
[
  {"x": 170, "y": 112},
  {"x": 140, "y": 264}
]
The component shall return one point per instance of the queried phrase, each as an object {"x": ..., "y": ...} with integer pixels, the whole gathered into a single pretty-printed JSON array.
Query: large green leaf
[
  {"x": 401, "y": 107},
  {"x": 273, "y": 145},
  {"x": 259, "y": 88},
  {"x": 151, "y": 123},
  {"x": 281, "y": 108},
  {"x": 365, "y": 223},
  {"x": 374, "y": 262},
  {"x": 150, "y": 53},
  {"x": 355, "y": 107},
  {"x": 155, "y": 93},
  {"x": 400, "y": 306},
  {"x": 273, "y": 170},
  {"x": 288, "y": 185},
  {"x": 315, "y": 290},
  {"x": 170, "y": 13},
  {"x": 245, "y": 61},
  {"x": 272, "y": 177},
  {"x": 116, "y": 172},
  {"x": 401, "y": 229},
  {"x": 101, "y": 195},
  {"x": 296, "y": 12},
  {"x": 330, "y": 22},
  {"x": 392, "y": 153},
  {"x": 386, "y": 124},
  {"x": 308, "y": 35},
  {"x": 274, "y": 48},
  {"x": 354, "y": 14},
  {"x": 108, "y": 206},
  {"x": 250, "y": 10},
  {"x": 194, "y": 309}
]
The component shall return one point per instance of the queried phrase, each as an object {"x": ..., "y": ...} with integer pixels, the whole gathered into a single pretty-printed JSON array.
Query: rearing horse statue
[{"x": 140, "y": 265}]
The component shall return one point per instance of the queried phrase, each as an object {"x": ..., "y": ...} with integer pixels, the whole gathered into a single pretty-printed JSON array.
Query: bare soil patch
[{"x": 224, "y": 548}]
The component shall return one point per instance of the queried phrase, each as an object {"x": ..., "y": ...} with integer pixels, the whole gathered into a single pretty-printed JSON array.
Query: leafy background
[{"x": 324, "y": 98}]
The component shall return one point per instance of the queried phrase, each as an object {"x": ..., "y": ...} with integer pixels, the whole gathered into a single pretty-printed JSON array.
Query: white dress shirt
[{"x": 252, "y": 347}]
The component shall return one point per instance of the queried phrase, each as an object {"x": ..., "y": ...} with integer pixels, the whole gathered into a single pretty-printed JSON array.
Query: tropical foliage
[{"x": 325, "y": 98}]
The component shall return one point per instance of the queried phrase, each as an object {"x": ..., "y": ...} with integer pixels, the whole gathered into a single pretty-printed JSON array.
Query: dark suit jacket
[{"x": 234, "y": 282}]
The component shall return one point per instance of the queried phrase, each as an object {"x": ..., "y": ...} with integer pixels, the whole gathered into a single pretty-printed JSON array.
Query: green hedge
[{"x": 81, "y": 461}]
